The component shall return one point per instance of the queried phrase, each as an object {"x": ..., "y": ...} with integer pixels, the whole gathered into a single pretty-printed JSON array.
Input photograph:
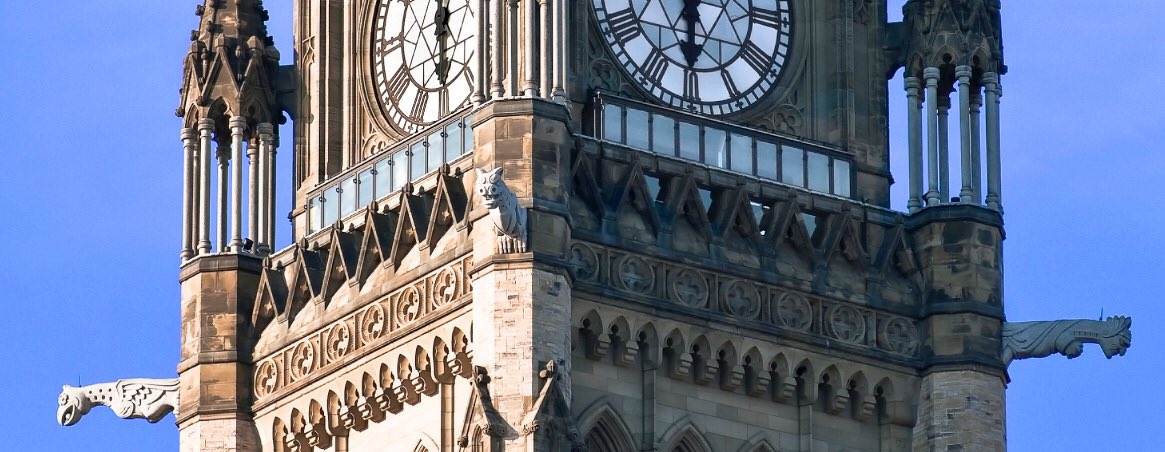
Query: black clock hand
[
  {"x": 441, "y": 30},
  {"x": 691, "y": 15}
]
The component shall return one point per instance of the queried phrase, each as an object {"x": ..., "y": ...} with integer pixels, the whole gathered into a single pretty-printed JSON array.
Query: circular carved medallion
[
  {"x": 741, "y": 299},
  {"x": 689, "y": 288},
  {"x": 408, "y": 306},
  {"x": 583, "y": 262},
  {"x": 899, "y": 336},
  {"x": 303, "y": 359},
  {"x": 793, "y": 312},
  {"x": 374, "y": 324},
  {"x": 636, "y": 275},
  {"x": 445, "y": 287},
  {"x": 266, "y": 379},
  {"x": 847, "y": 324},
  {"x": 338, "y": 342}
]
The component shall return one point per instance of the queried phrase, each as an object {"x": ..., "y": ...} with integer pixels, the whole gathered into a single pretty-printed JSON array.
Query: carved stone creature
[
  {"x": 1067, "y": 337},
  {"x": 508, "y": 217},
  {"x": 136, "y": 398}
]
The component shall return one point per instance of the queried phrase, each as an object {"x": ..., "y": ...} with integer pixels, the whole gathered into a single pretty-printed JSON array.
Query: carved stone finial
[
  {"x": 135, "y": 398},
  {"x": 509, "y": 218},
  {"x": 1066, "y": 337}
]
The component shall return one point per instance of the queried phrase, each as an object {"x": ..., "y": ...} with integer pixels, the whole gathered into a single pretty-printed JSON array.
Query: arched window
[{"x": 608, "y": 434}]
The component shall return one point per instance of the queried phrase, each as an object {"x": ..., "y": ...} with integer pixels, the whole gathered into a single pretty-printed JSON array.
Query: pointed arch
[
  {"x": 684, "y": 437},
  {"x": 605, "y": 430}
]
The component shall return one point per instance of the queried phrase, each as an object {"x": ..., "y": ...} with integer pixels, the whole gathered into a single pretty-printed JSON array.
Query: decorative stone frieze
[
  {"x": 428, "y": 297},
  {"x": 606, "y": 269}
]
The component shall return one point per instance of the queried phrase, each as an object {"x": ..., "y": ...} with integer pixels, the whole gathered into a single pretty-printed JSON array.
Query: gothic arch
[
  {"x": 605, "y": 430},
  {"x": 685, "y": 437}
]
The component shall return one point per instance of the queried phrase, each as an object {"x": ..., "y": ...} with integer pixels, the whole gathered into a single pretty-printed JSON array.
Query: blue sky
[{"x": 90, "y": 169}]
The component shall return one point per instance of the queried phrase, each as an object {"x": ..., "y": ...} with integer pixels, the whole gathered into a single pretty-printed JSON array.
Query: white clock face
[
  {"x": 421, "y": 53},
  {"x": 710, "y": 56}
]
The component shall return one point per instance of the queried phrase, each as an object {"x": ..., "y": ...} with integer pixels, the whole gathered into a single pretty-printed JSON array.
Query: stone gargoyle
[
  {"x": 509, "y": 218},
  {"x": 1066, "y": 337},
  {"x": 134, "y": 398}
]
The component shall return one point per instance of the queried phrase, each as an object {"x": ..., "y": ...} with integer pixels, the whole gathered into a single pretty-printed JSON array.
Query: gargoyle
[
  {"x": 135, "y": 398},
  {"x": 1066, "y": 337},
  {"x": 509, "y": 218}
]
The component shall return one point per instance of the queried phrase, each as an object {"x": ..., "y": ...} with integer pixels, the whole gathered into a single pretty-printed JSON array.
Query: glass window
[
  {"x": 347, "y": 196},
  {"x": 467, "y": 129},
  {"x": 818, "y": 172},
  {"x": 453, "y": 135},
  {"x": 330, "y": 207},
  {"x": 741, "y": 157},
  {"x": 436, "y": 150},
  {"x": 792, "y": 166},
  {"x": 714, "y": 144},
  {"x": 417, "y": 160},
  {"x": 315, "y": 218},
  {"x": 400, "y": 169},
  {"x": 365, "y": 185},
  {"x": 690, "y": 141},
  {"x": 383, "y": 178},
  {"x": 841, "y": 178},
  {"x": 766, "y": 160},
  {"x": 663, "y": 135},
  {"x": 637, "y": 136},
  {"x": 613, "y": 123}
]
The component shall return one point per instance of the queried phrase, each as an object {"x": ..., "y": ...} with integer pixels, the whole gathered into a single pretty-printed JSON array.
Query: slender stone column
[
  {"x": 272, "y": 195},
  {"x": 546, "y": 39},
  {"x": 966, "y": 193},
  {"x": 931, "y": 75},
  {"x": 481, "y": 12},
  {"x": 994, "y": 92},
  {"x": 944, "y": 152},
  {"x": 205, "y": 127},
  {"x": 495, "y": 46},
  {"x": 976, "y": 148},
  {"x": 253, "y": 157},
  {"x": 561, "y": 47},
  {"x": 914, "y": 138},
  {"x": 238, "y": 125},
  {"x": 189, "y": 136},
  {"x": 530, "y": 59},
  {"x": 224, "y": 158},
  {"x": 263, "y": 237},
  {"x": 512, "y": 47}
]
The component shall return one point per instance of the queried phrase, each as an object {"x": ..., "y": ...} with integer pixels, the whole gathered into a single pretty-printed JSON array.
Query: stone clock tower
[{"x": 601, "y": 225}]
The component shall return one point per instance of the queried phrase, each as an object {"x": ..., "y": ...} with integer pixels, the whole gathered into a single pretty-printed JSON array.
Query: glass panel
[
  {"x": 347, "y": 197},
  {"x": 613, "y": 123},
  {"x": 741, "y": 153},
  {"x": 417, "y": 160},
  {"x": 453, "y": 141},
  {"x": 766, "y": 160},
  {"x": 467, "y": 128},
  {"x": 436, "y": 150},
  {"x": 841, "y": 178},
  {"x": 792, "y": 166},
  {"x": 400, "y": 169},
  {"x": 818, "y": 172},
  {"x": 637, "y": 135},
  {"x": 365, "y": 184},
  {"x": 690, "y": 141},
  {"x": 663, "y": 135},
  {"x": 714, "y": 144},
  {"x": 314, "y": 218},
  {"x": 383, "y": 178},
  {"x": 330, "y": 207}
]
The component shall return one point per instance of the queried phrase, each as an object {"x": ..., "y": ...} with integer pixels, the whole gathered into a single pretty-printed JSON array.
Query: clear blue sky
[{"x": 90, "y": 170}]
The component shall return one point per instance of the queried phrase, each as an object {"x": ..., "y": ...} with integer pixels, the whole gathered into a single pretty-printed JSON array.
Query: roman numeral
[
  {"x": 755, "y": 57},
  {"x": 733, "y": 91},
  {"x": 691, "y": 86},
  {"x": 623, "y": 25},
  {"x": 767, "y": 17},
  {"x": 419, "y": 105},
  {"x": 655, "y": 65},
  {"x": 398, "y": 83}
]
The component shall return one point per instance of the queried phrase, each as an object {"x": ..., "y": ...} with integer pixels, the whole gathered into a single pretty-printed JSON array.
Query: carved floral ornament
[
  {"x": 433, "y": 295},
  {"x": 693, "y": 288}
]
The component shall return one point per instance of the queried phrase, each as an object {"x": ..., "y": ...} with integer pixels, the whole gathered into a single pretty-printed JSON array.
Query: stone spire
[{"x": 229, "y": 97}]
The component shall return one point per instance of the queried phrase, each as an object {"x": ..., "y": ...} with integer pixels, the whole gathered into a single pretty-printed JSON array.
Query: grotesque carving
[
  {"x": 508, "y": 217},
  {"x": 1066, "y": 337},
  {"x": 137, "y": 398}
]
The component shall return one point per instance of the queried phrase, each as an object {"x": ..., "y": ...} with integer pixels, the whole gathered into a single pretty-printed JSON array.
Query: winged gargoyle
[
  {"x": 135, "y": 398},
  {"x": 1066, "y": 337}
]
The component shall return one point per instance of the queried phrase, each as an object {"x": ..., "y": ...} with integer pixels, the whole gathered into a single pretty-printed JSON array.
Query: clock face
[
  {"x": 421, "y": 53},
  {"x": 709, "y": 56}
]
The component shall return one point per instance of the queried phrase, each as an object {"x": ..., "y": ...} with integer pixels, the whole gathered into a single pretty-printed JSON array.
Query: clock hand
[
  {"x": 691, "y": 15},
  {"x": 441, "y": 30}
]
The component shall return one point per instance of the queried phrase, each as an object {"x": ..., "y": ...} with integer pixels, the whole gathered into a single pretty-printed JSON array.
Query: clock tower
[{"x": 600, "y": 225}]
